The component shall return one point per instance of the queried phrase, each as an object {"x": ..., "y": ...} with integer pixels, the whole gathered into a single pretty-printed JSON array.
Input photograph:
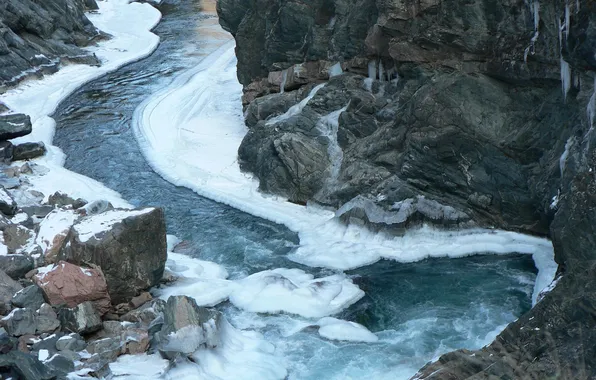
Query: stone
[
  {"x": 61, "y": 200},
  {"x": 48, "y": 343},
  {"x": 68, "y": 284},
  {"x": 8, "y": 206},
  {"x": 30, "y": 297},
  {"x": 129, "y": 246},
  {"x": 26, "y": 366},
  {"x": 146, "y": 313},
  {"x": 16, "y": 266},
  {"x": 107, "y": 348},
  {"x": 27, "y": 151},
  {"x": 14, "y": 125},
  {"x": 136, "y": 341},
  {"x": 60, "y": 364},
  {"x": 7, "y": 343},
  {"x": 19, "y": 322},
  {"x": 8, "y": 287},
  {"x": 6, "y": 148},
  {"x": 71, "y": 342},
  {"x": 46, "y": 319},
  {"x": 81, "y": 319},
  {"x": 187, "y": 327},
  {"x": 16, "y": 237},
  {"x": 140, "y": 300},
  {"x": 53, "y": 230}
]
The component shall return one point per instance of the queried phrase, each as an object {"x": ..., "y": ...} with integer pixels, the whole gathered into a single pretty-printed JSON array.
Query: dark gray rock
[
  {"x": 27, "y": 151},
  {"x": 26, "y": 366},
  {"x": 107, "y": 349},
  {"x": 71, "y": 342},
  {"x": 146, "y": 313},
  {"x": 48, "y": 343},
  {"x": 7, "y": 342},
  {"x": 30, "y": 297},
  {"x": 8, "y": 206},
  {"x": 14, "y": 125},
  {"x": 16, "y": 266},
  {"x": 6, "y": 148},
  {"x": 8, "y": 287},
  {"x": 19, "y": 322},
  {"x": 46, "y": 319},
  {"x": 82, "y": 319},
  {"x": 17, "y": 237},
  {"x": 60, "y": 365},
  {"x": 131, "y": 251}
]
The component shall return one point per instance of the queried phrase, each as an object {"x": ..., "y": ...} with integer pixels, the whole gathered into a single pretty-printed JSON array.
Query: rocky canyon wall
[{"x": 454, "y": 113}]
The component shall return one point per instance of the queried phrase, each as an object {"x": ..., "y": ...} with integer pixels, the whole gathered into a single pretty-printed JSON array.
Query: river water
[{"x": 418, "y": 310}]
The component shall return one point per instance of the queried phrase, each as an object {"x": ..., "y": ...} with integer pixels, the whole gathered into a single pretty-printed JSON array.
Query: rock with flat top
[
  {"x": 27, "y": 151},
  {"x": 15, "y": 125}
]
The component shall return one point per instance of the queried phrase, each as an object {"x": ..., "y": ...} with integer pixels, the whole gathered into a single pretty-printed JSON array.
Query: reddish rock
[
  {"x": 140, "y": 300},
  {"x": 68, "y": 284}
]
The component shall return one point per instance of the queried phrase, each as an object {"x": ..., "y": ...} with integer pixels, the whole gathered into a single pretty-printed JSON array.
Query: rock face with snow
[
  {"x": 15, "y": 125},
  {"x": 70, "y": 285},
  {"x": 36, "y": 36},
  {"x": 447, "y": 112},
  {"x": 128, "y": 245}
]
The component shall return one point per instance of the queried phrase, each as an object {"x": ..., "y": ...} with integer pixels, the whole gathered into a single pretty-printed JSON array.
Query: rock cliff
[
  {"x": 36, "y": 36},
  {"x": 476, "y": 113}
]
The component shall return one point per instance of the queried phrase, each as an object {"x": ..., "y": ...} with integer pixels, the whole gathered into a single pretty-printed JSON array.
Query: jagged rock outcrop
[
  {"x": 36, "y": 36},
  {"x": 444, "y": 112}
]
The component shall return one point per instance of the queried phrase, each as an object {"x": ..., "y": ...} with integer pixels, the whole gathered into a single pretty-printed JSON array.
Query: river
[{"x": 417, "y": 310}]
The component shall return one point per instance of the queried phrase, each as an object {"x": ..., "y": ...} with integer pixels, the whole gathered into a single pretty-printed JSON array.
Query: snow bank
[{"x": 130, "y": 25}]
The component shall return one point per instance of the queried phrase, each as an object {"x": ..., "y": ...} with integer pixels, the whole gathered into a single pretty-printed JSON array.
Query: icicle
[
  {"x": 565, "y": 68},
  {"x": 591, "y": 108},
  {"x": 284, "y": 79},
  {"x": 372, "y": 69},
  {"x": 563, "y": 158},
  {"x": 368, "y": 83},
  {"x": 535, "y": 6},
  {"x": 567, "y": 20},
  {"x": 381, "y": 71}
]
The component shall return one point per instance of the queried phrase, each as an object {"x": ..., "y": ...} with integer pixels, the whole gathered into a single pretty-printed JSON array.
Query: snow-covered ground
[{"x": 190, "y": 133}]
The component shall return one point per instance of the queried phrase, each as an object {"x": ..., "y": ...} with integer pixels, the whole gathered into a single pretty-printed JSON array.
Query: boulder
[
  {"x": 82, "y": 319},
  {"x": 71, "y": 342},
  {"x": 60, "y": 365},
  {"x": 136, "y": 341},
  {"x": 53, "y": 230},
  {"x": 129, "y": 246},
  {"x": 107, "y": 348},
  {"x": 146, "y": 313},
  {"x": 8, "y": 206},
  {"x": 68, "y": 284},
  {"x": 46, "y": 319},
  {"x": 15, "y": 125},
  {"x": 7, "y": 343},
  {"x": 8, "y": 287},
  {"x": 25, "y": 366},
  {"x": 16, "y": 266},
  {"x": 19, "y": 322},
  {"x": 27, "y": 151},
  {"x": 6, "y": 148},
  {"x": 16, "y": 237},
  {"x": 61, "y": 200},
  {"x": 187, "y": 327},
  {"x": 30, "y": 297}
]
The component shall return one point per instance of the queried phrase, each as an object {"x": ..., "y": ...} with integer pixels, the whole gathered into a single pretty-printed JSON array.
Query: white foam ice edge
[
  {"x": 190, "y": 132},
  {"x": 130, "y": 26}
]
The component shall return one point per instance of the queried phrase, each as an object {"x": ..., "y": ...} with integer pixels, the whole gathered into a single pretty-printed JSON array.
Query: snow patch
[
  {"x": 337, "y": 329},
  {"x": 94, "y": 225}
]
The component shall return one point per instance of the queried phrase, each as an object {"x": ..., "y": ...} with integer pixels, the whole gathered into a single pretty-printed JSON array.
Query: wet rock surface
[{"x": 457, "y": 115}]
